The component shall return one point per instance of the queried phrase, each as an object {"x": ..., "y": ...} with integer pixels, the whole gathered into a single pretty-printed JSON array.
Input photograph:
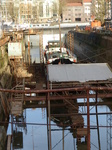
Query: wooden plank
[
  {"x": 82, "y": 132},
  {"x": 16, "y": 108},
  {"x": 9, "y": 142}
]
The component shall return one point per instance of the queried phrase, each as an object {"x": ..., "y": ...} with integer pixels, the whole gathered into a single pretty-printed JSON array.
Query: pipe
[
  {"x": 97, "y": 124},
  {"x": 60, "y": 97},
  {"x": 85, "y": 88}
]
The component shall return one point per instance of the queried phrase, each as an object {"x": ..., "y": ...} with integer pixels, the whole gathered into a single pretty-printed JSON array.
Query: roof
[
  {"x": 87, "y": 1},
  {"x": 74, "y": 4},
  {"x": 73, "y": 1},
  {"x": 79, "y": 72}
]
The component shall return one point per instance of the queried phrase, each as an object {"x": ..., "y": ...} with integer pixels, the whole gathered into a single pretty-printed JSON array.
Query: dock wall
[
  {"x": 5, "y": 82},
  {"x": 93, "y": 45},
  {"x": 94, "y": 39}
]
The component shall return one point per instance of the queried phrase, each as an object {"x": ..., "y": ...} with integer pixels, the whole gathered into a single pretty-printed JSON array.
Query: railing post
[{"x": 88, "y": 122}]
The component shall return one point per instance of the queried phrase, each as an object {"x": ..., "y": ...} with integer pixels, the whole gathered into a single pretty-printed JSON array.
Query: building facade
[
  {"x": 73, "y": 12},
  {"x": 7, "y": 9},
  {"x": 25, "y": 11},
  {"x": 87, "y": 9},
  {"x": 77, "y": 12},
  {"x": 34, "y": 11}
]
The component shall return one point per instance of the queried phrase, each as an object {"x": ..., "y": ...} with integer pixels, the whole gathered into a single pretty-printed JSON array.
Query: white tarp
[
  {"x": 15, "y": 49},
  {"x": 79, "y": 72}
]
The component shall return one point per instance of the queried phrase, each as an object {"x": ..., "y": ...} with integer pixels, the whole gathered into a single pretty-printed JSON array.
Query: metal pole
[
  {"x": 111, "y": 10},
  {"x": 63, "y": 137},
  {"x": 49, "y": 122},
  {"x": 32, "y": 138},
  {"x": 59, "y": 33},
  {"x": 57, "y": 90},
  {"x": 12, "y": 131},
  {"x": 29, "y": 48},
  {"x": 49, "y": 116},
  {"x": 97, "y": 124},
  {"x": 59, "y": 26},
  {"x": 88, "y": 122}
]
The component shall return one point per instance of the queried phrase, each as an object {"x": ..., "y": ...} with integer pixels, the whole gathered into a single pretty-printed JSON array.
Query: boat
[{"x": 53, "y": 54}]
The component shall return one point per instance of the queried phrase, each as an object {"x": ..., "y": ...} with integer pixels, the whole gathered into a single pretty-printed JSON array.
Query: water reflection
[
  {"x": 34, "y": 55},
  {"x": 30, "y": 133}
]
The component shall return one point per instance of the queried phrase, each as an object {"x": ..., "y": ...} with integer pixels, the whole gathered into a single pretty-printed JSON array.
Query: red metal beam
[
  {"x": 62, "y": 97},
  {"x": 82, "y": 114},
  {"x": 84, "y": 88},
  {"x": 88, "y": 122}
]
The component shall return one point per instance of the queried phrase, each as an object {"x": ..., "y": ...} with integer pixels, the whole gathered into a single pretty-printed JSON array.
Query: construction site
[{"x": 62, "y": 90}]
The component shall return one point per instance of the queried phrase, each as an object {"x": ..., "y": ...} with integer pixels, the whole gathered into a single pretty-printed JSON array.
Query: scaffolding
[
  {"x": 40, "y": 33},
  {"x": 109, "y": 130},
  {"x": 70, "y": 42},
  {"x": 41, "y": 45}
]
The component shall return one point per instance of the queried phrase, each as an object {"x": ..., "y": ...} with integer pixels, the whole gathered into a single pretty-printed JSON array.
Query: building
[
  {"x": 16, "y": 11},
  {"x": 34, "y": 11},
  {"x": 25, "y": 11},
  {"x": 87, "y": 9},
  {"x": 37, "y": 11},
  {"x": 7, "y": 10},
  {"x": 73, "y": 12},
  {"x": 47, "y": 10},
  {"x": 77, "y": 11}
]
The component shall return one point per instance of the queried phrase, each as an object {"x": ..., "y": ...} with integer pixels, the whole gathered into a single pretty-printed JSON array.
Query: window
[
  {"x": 78, "y": 15},
  {"x": 54, "y": 8},
  {"x": 54, "y": 14},
  {"x": 78, "y": 9},
  {"x": 77, "y": 19},
  {"x": 47, "y": 9},
  {"x": 41, "y": 9}
]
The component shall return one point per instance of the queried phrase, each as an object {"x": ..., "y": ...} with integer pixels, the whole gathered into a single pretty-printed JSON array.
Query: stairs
[{"x": 17, "y": 104}]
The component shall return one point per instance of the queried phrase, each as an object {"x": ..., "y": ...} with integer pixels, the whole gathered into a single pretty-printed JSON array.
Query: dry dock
[{"x": 57, "y": 86}]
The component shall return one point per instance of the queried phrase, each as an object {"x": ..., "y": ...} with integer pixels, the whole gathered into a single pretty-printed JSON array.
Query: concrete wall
[
  {"x": 5, "y": 82},
  {"x": 2, "y": 137},
  {"x": 99, "y": 44}
]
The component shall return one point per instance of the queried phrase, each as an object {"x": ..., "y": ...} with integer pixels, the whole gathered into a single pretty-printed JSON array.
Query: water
[
  {"x": 35, "y": 56},
  {"x": 35, "y": 133}
]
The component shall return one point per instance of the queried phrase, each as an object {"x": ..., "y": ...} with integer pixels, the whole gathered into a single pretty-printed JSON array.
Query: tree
[
  {"x": 62, "y": 4},
  {"x": 10, "y": 10},
  {"x": 98, "y": 10},
  {"x": 16, "y": 14}
]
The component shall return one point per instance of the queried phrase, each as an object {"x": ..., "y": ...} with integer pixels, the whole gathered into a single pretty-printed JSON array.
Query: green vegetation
[
  {"x": 98, "y": 9},
  {"x": 3, "y": 60}
]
